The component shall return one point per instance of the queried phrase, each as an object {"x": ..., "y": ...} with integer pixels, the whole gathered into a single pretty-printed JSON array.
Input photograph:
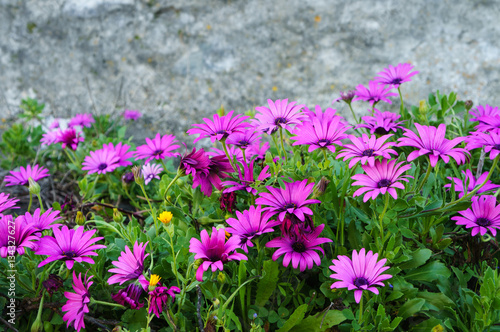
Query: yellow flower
[
  {"x": 165, "y": 217},
  {"x": 228, "y": 235},
  {"x": 438, "y": 328},
  {"x": 154, "y": 280}
]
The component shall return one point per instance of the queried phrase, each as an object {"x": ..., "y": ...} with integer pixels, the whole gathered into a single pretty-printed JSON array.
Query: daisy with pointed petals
[
  {"x": 279, "y": 114},
  {"x": 101, "y": 161},
  {"x": 381, "y": 123},
  {"x": 483, "y": 216},
  {"x": 218, "y": 168},
  {"x": 300, "y": 250},
  {"x": 488, "y": 123},
  {"x": 69, "y": 245},
  {"x": 232, "y": 150},
  {"x": 472, "y": 183},
  {"x": 380, "y": 178},
  {"x": 83, "y": 120},
  {"x": 50, "y": 137},
  {"x": 7, "y": 203},
  {"x": 246, "y": 179},
  {"x": 41, "y": 221},
  {"x": 250, "y": 223},
  {"x": 431, "y": 141},
  {"x": 490, "y": 142},
  {"x": 245, "y": 139},
  {"x": 360, "y": 274},
  {"x": 220, "y": 127},
  {"x": 69, "y": 138},
  {"x": 214, "y": 251},
  {"x": 483, "y": 111},
  {"x": 257, "y": 151},
  {"x": 157, "y": 148},
  {"x": 121, "y": 150},
  {"x": 292, "y": 199},
  {"x": 151, "y": 171},
  {"x": 23, "y": 236},
  {"x": 159, "y": 296},
  {"x": 327, "y": 116},
  {"x": 365, "y": 149},
  {"x": 131, "y": 115},
  {"x": 129, "y": 265},
  {"x": 77, "y": 303},
  {"x": 395, "y": 76},
  {"x": 21, "y": 177},
  {"x": 194, "y": 162},
  {"x": 374, "y": 93}
]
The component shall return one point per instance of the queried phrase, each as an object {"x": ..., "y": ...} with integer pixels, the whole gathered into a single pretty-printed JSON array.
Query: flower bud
[
  {"x": 221, "y": 278},
  {"x": 138, "y": 175},
  {"x": 468, "y": 104},
  {"x": 197, "y": 263},
  {"x": 127, "y": 178},
  {"x": 80, "y": 218},
  {"x": 437, "y": 328},
  {"x": 423, "y": 108},
  {"x": 117, "y": 216},
  {"x": 33, "y": 187},
  {"x": 220, "y": 111},
  {"x": 320, "y": 187},
  {"x": 37, "y": 325}
]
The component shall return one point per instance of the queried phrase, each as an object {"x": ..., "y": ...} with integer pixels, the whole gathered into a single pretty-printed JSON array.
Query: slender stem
[
  {"x": 150, "y": 208},
  {"x": 178, "y": 175},
  {"x": 165, "y": 167},
  {"x": 69, "y": 156},
  {"x": 276, "y": 144},
  {"x": 109, "y": 304},
  {"x": 429, "y": 168},
  {"x": 40, "y": 308},
  {"x": 361, "y": 310},
  {"x": 31, "y": 201},
  {"x": 381, "y": 218},
  {"x": 401, "y": 98},
  {"x": 326, "y": 157},
  {"x": 244, "y": 156},
  {"x": 174, "y": 257},
  {"x": 282, "y": 145},
  {"x": 223, "y": 141},
  {"x": 41, "y": 204},
  {"x": 354, "y": 115}
]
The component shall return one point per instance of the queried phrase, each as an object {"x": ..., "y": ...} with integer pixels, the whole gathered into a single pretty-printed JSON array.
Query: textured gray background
[{"x": 177, "y": 61}]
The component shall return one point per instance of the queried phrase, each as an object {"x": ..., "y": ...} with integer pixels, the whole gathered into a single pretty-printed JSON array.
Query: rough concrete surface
[{"x": 178, "y": 61}]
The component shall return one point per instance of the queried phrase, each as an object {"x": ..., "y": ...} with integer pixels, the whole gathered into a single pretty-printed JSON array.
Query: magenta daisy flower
[
  {"x": 250, "y": 223},
  {"x": 7, "y": 203},
  {"x": 69, "y": 245},
  {"x": 483, "y": 216},
  {"x": 279, "y": 114},
  {"x": 83, "y": 120},
  {"x": 22, "y": 238},
  {"x": 194, "y": 162},
  {"x": 381, "y": 123},
  {"x": 218, "y": 168},
  {"x": 292, "y": 199},
  {"x": 246, "y": 179},
  {"x": 220, "y": 127},
  {"x": 300, "y": 250},
  {"x": 69, "y": 138},
  {"x": 101, "y": 161},
  {"x": 159, "y": 296},
  {"x": 214, "y": 250},
  {"x": 374, "y": 93},
  {"x": 361, "y": 273},
  {"x": 431, "y": 141},
  {"x": 129, "y": 297},
  {"x": 488, "y": 123},
  {"x": 366, "y": 149},
  {"x": 484, "y": 111},
  {"x": 321, "y": 133},
  {"x": 258, "y": 151},
  {"x": 472, "y": 183},
  {"x": 395, "y": 76},
  {"x": 21, "y": 177},
  {"x": 157, "y": 148},
  {"x": 151, "y": 171},
  {"x": 245, "y": 139},
  {"x": 50, "y": 137},
  {"x": 380, "y": 178},
  {"x": 129, "y": 265},
  {"x": 131, "y": 115},
  {"x": 77, "y": 303},
  {"x": 490, "y": 142},
  {"x": 121, "y": 150},
  {"x": 346, "y": 97},
  {"x": 41, "y": 221}
]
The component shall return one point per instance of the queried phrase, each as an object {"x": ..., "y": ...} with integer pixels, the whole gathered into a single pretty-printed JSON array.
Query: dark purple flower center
[
  {"x": 384, "y": 183},
  {"x": 323, "y": 142},
  {"x": 483, "y": 222},
  {"x": 368, "y": 153},
  {"x": 69, "y": 254},
  {"x": 396, "y": 81},
  {"x": 497, "y": 147},
  {"x": 278, "y": 121},
  {"x": 290, "y": 206},
  {"x": 157, "y": 152},
  {"x": 102, "y": 166},
  {"x": 221, "y": 132},
  {"x": 245, "y": 237},
  {"x": 360, "y": 281},
  {"x": 299, "y": 247},
  {"x": 243, "y": 143},
  {"x": 381, "y": 131}
]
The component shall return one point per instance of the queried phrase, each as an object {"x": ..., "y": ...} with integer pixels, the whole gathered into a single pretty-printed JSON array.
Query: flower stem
[
  {"x": 381, "y": 218},
  {"x": 276, "y": 144},
  {"x": 31, "y": 201},
  {"x": 401, "y": 98},
  {"x": 244, "y": 156},
  {"x": 354, "y": 115},
  {"x": 282, "y": 145},
  {"x": 41, "y": 204},
  {"x": 360, "y": 310},
  {"x": 178, "y": 175},
  {"x": 150, "y": 208},
  {"x": 109, "y": 304},
  {"x": 429, "y": 168},
  {"x": 326, "y": 157},
  {"x": 69, "y": 157},
  {"x": 223, "y": 141},
  {"x": 174, "y": 257}
]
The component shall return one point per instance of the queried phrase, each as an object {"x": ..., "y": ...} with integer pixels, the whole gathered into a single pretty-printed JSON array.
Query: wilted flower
[
  {"x": 52, "y": 283},
  {"x": 228, "y": 201},
  {"x": 129, "y": 297},
  {"x": 158, "y": 298},
  {"x": 218, "y": 168},
  {"x": 483, "y": 216},
  {"x": 21, "y": 177}
]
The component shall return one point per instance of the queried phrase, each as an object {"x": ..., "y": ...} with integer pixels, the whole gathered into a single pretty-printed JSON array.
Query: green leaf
[
  {"x": 438, "y": 300},
  {"x": 295, "y": 318},
  {"x": 429, "y": 272},
  {"x": 313, "y": 323},
  {"x": 267, "y": 283},
  {"x": 411, "y": 307},
  {"x": 419, "y": 257}
]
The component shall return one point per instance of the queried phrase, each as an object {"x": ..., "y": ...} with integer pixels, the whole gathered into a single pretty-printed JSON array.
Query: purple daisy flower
[
  {"x": 484, "y": 111},
  {"x": 279, "y": 114},
  {"x": 490, "y": 142},
  {"x": 300, "y": 250},
  {"x": 483, "y": 215},
  {"x": 194, "y": 162},
  {"x": 83, "y": 120},
  {"x": 250, "y": 223},
  {"x": 157, "y": 148},
  {"x": 321, "y": 133},
  {"x": 69, "y": 245},
  {"x": 131, "y": 115},
  {"x": 21, "y": 177},
  {"x": 101, "y": 161},
  {"x": 361, "y": 273},
  {"x": 488, "y": 123},
  {"x": 380, "y": 178},
  {"x": 245, "y": 139},
  {"x": 129, "y": 297},
  {"x": 374, "y": 93},
  {"x": 214, "y": 250},
  {"x": 23, "y": 236},
  {"x": 381, "y": 123},
  {"x": 292, "y": 199},
  {"x": 346, "y": 97},
  {"x": 151, "y": 171},
  {"x": 218, "y": 168},
  {"x": 50, "y": 137},
  {"x": 220, "y": 127},
  {"x": 69, "y": 138},
  {"x": 121, "y": 150},
  {"x": 159, "y": 296},
  {"x": 77, "y": 303},
  {"x": 366, "y": 149},
  {"x": 7, "y": 203},
  {"x": 246, "y": 179},
  {"x": 395, "y": 76},
  {"x": 258, "y": 151},
  {"x": 472, "y": 183},
  {"x": 431, "y": 141},
  {"x": 41, "y": 221},
  {"x": 129, "y": 265}
]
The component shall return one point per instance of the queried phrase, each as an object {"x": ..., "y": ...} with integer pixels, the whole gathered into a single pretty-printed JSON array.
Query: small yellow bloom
[
  {"x": 438, "y": 328},
  {"x": 154, "y": 280},
  {"x": 228, "y": 235},
  {"x": 165, "y": 217}
]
